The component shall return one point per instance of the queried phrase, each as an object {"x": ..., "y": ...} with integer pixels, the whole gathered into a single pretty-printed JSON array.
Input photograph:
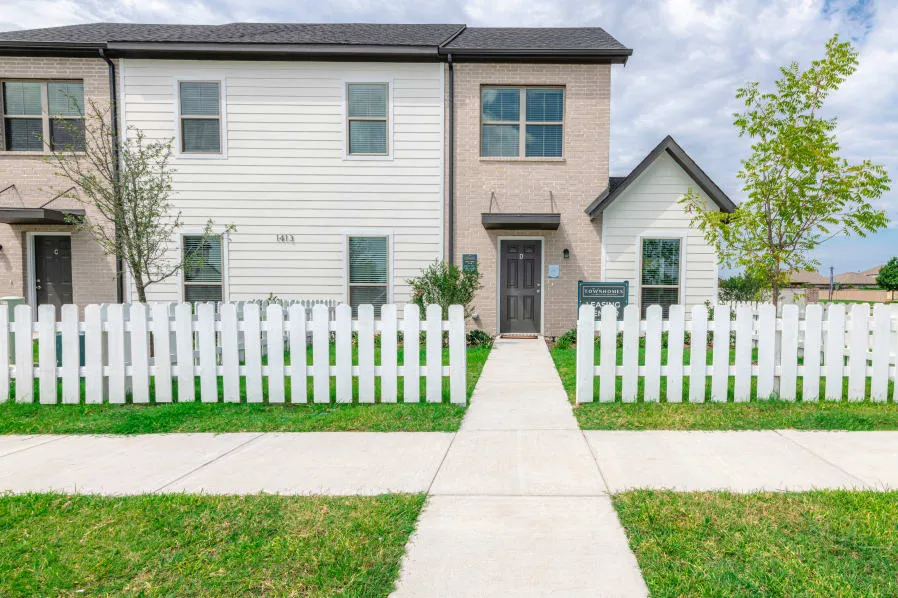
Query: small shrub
[
  {"x": 478, "y": 338},
  {"x": 445, "y": 284},
  {"x": 566, "y": 340}
]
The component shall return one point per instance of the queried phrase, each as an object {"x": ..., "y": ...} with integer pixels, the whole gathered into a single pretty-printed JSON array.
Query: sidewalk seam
[
  {"x": 824, "y": 459},
  {"x": 209, "y": 462},
  {"x": 22, "y": 450},
  {"x": 443, "y": 460},
  {"x": 595, "y": 460}
]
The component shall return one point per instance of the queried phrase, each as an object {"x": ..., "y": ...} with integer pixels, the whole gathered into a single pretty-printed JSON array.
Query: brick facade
[
  {"x": 565, "y": 186},
  {"x": 93, "y": 273}
]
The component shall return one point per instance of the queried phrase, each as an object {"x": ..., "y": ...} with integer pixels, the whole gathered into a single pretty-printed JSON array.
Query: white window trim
[
  {"x": 31, "y": 292},
  {"x": 522, "y": 122},
  {"x": 661, "y": 234},
  {"x": 345, "y": 122},
  {"x": 390, "y": 258},
  {"x": 542, "y": 278},
  {"x": 45, "y": 115},
  {"x": 222, "y": 116},
  {"x": 225, "y": 269}
]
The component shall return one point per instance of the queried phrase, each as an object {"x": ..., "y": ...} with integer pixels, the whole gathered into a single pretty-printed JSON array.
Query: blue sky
[{"x": 689, "y": 58}]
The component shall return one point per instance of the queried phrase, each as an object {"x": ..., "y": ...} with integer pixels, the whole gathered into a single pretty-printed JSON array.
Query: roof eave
[
  {"x": 616, "y": 56},
  {"x": 28, "y": 48},
  {"x": 252, "y": 51}
]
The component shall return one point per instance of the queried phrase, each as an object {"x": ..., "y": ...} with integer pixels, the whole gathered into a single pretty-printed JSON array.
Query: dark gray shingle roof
[
  {"x": 523, "y": 38},
  {"x": 258, "y": 33}
]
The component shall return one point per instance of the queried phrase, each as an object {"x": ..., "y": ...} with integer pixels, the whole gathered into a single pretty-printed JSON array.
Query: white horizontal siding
[
  {"x": 650, "y": 207},
  {"x": 285, "y": 173}
]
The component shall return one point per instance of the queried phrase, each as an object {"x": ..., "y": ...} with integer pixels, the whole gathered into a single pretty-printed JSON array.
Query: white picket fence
[
  {"x": 852, "y": 344},
  {"x": 125, "y": 350}
]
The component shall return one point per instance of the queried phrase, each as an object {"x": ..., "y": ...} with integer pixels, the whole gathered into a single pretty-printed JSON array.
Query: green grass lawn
[
  {"x": 221, "y": 417},
  {"x": 183, "y": 545},
  {"x": 759, "y": 414},
  {"x": 824, "y": 543}
]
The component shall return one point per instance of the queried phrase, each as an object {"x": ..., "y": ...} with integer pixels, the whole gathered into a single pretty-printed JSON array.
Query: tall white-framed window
[
  {"x": 368, "y": 120},
  {"x": 660, "y": 273},
  {"x": 200, "y": 117},
  {"x": 204, "y": 267},
  {"x": 368, "y": 271},
  {"x": 42, "y": 115},
  {"x": 521, "y": 122}
]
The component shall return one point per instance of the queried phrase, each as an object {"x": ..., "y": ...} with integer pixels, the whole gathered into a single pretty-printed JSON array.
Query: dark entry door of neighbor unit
[
  {"x": 520, "y": 280},
  {"x": 53, "y": 270}
]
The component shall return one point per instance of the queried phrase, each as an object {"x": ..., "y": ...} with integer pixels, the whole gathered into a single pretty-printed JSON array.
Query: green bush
[
  {"x": 478, "y": 338},
  {"x": 445, "y": 284},
  {"x": 741, "y": 287},
  {"x": 566, "y": 340}
]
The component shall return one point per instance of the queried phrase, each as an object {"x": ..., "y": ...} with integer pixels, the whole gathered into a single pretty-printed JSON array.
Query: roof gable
[{"x": 617, "y": 185}]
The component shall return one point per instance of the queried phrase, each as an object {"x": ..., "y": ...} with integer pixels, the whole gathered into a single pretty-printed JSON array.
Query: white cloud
[{"x": 689, "y": 58}]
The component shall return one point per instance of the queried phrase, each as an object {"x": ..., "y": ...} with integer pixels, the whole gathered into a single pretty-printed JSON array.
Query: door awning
[
  {"x": 512, "y": 221},
  {"x": 38, "y": 216}
]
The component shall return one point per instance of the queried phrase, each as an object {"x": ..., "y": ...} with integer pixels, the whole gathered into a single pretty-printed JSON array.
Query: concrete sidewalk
[{"x": 519, "y": 507}]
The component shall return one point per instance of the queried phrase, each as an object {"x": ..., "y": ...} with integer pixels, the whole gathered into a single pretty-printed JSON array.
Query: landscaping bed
[
  {"x": 824, "y": 543},
  {"x": 758, "y": 414},
  {"x": 243, "y": 417},
  {"x": 183, "y": 545}
]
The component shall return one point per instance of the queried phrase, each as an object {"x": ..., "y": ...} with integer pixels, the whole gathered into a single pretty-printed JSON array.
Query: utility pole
[{"x": 830, "y": 284}]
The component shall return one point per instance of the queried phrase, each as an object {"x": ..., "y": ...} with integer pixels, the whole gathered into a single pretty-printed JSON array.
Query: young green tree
[
  {"x": 445, "y": 284},
  {"x": 138, "y": 222},
  {"x": 740, "y": 287},
  {"x": 799, "y": 192},
  {"x": 888, "y": 276}
]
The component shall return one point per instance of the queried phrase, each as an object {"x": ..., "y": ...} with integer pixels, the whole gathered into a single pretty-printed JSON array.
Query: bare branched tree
[{"x": 131, "y": 189}]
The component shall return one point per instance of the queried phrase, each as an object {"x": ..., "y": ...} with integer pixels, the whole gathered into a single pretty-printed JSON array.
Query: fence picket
[
  {"x": 608, "y": 354},
  {"x": 652, "y": 384},
  {"x": 230, "y": 353},
  {"x": 115, "y": 343},
  {"x": 766, "y": 350},
  {"x": 24, "y": 355},
  {"x": 388, "y": 363},
  {"x": 434, "y": 353},
  {"x": 789, "y": 353},
  {"x": 586, "y": 327},
  {"x": 344, "y": 353},
  {"x": 140, "y": 354},
  {"x": 675, "y": 339},
  {"x": 882, "y": 333},
  {"x": 161, "y": 329},
  {"x": 274, "y": 319},
  {"x": 813, "y": 339},
  {"x": 411, "y": 354},
  {"x": 744, "y": 330},
  {"x": 366, "y": 353},
  {"x": 4, "y": 354},
  {"x": 298, "y": 379},
  {"x": 321, "y": 355},
  {"x": 835, "y": 351},
  {"x": 94, "y": 385},
  {"x": 71, "y": 355},
  {"x": 859, "y": 344},
  {"x": 46, "y": 357},
  {"x": 698, "y": 348},
  {"x": 252, "y": 353},
  {"x": 208, "y": 360},
  {"x": 630, "y": 373},
  {"x": 458, "y": 366},
  {"x": 720, "y": 355},
  {"x": 184, "y": 344}
]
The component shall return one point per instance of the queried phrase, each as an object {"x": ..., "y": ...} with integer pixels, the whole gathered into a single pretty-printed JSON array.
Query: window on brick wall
[
  {"x": 42, "y": 115},
  {"x": 522, "y": 122}
]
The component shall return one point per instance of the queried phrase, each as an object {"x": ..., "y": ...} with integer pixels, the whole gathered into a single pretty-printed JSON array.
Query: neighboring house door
[
  {"x": 53, "y": 270},
  {"x": 520, "y": 282}
]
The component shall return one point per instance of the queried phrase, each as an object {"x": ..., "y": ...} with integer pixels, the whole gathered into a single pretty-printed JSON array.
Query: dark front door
[
  {"x": 53, "y": 270},
  {"x": 520, "y": 280}
]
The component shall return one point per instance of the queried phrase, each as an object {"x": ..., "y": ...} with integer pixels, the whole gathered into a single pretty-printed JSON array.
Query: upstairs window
[
  {"x": 368, "y": 272},
  {"x": 200, "y": 116},
  {"x": 35, "y": 112},
  {"x": 660, "y": 281},
  {"x": 507, "y": 112},
  {"x": 367, "y": 109},
  {"x": 203, "y": 268}
]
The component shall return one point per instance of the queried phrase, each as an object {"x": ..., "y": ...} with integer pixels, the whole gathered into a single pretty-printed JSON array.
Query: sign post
[{"x": 598, "y": 294}]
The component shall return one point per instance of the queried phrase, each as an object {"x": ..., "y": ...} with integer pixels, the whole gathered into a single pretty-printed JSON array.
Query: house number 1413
[{"x": 285, "y": 238}]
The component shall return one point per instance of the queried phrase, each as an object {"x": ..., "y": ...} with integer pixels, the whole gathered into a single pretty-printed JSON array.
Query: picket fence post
[
  {"x": 813, "y": 343},
  {"x": 608, "y": 354},
  {"x": 630, "y": 373},
  {"x": 344, "y": 353},
  {"x": 744, "y": 333},
  {"x": 140, "y": 353},
  {"x": 115, "y": 339},
  {"x": 4, "y": 355},
  {"x": 653, "y": 325},
  {"x": 162, "y": 353},
  {"x": 676, "y": 337},
  {"x": 252, "y": 342},
  {"x": 321, "y": 355},
  {"x": 882, "y": 334},
  {"x": 71, "y": 355},
  {"x": 366, "y": 353},
  {"x": 411, "y": 356},
  {"x": 388, "y": 347},
  {"x": 434, "y": 353},
  {"x": 586, "y": 332},
  {"x": 458, "y": 365},
  {"x": 274, "y": 322},
  {"x": 298, "y": 377},
  {"x": 46, "y": 358},
  {"x": 698, "y": 351},
  {"x": 835, "y": 351}
]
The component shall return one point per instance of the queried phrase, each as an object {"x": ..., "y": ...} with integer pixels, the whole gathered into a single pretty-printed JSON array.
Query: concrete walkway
[{"x": 519, "y": 507}]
